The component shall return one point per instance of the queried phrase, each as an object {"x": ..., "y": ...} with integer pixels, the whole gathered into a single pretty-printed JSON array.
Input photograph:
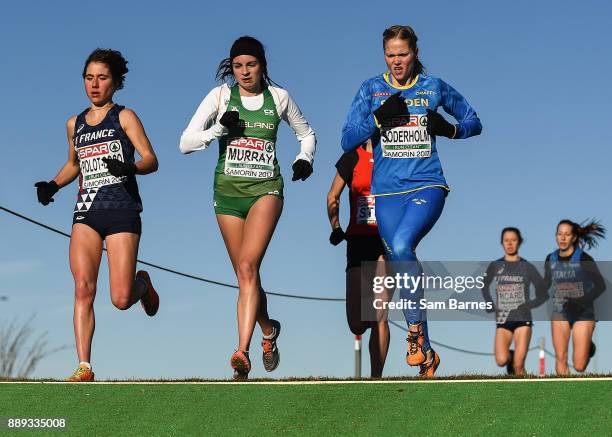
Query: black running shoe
[
  {"x": 592, "y": 350},
  {"x": 510, "y": 363},
  {"x": 271, "y": 355}
]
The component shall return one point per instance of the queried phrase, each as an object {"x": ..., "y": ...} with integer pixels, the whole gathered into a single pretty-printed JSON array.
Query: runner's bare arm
[
  {"x": 333, "y": 200},
  {"x": 71, "y": 168},
  {"x": 135, "y": 131}
]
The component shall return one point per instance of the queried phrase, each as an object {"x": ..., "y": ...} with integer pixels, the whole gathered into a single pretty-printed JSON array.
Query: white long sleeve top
[{"x": 204, "y": 126}]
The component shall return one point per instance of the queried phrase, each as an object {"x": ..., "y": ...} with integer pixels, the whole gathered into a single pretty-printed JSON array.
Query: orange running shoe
[
  {"x": 150, "y": 299},
  {"x": 241, "y": 364},
  {"x": 81, "y": 374},
  {"x": 429, "y": 369},
  {"x": 415, "y": 355}
]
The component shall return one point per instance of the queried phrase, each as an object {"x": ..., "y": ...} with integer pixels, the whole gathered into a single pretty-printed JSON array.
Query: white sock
[{"x": 86, "y": 364}]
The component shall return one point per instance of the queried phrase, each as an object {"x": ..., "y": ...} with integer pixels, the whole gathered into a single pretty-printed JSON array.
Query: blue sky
[{"x": 536, "y": 72}]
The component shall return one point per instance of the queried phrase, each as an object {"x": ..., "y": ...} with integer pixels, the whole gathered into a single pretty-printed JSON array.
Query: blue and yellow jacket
[{"x": 397, "y": 169}]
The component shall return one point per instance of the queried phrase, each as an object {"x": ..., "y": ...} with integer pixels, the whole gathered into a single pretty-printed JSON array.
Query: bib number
[
  {"x": 250, "y": 157},
  {"x": 366, "y": 210},
  {"x": 93, "y": 169},
  {"x": 564, "y": 291},
  {"x": 408, "y": 140},
  {"x": 509, "y": 297}
]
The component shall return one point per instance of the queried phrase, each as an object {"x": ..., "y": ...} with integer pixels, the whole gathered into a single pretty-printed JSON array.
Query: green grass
[{"x": 516, "y": 408}]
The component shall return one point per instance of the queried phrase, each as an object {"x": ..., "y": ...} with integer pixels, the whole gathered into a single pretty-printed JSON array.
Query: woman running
[
  {"x": 101, "y": 144},
  {"x": 575, "y": 283},
  {"x": 397, "y": 109},
  {"x": 362, "y": 245},
  {"x": 513, "y": 276},
  {"x": 244, "y": 115}
]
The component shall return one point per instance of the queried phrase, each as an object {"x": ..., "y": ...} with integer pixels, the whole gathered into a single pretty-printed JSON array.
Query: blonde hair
[{"x": 408, "y": 34}]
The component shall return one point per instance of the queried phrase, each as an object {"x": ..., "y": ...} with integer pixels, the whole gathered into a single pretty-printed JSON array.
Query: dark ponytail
[{"x": 587, "y": 233}]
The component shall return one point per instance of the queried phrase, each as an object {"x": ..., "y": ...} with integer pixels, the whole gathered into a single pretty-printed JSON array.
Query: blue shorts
[
  {"x": 588, "y": 314},
  {"x": 110, "y": 221}
]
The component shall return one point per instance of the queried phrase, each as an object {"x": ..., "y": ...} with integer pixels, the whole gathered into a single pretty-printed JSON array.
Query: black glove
[
  {"x": 230, "y": 119},
  {"x": 301, "y": 170},
  {"x": 392, "y": 107},
  {"x": 573, "y": 306},
  {"x": 45, "y": 191},
  {"x": 336, "y": 236},
  {"x": 438, "y": 126},
  {"x": 119, "y": 168}
]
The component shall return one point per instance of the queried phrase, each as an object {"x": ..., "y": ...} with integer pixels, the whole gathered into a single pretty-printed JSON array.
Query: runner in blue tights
[{"x": 398, "y": 110}]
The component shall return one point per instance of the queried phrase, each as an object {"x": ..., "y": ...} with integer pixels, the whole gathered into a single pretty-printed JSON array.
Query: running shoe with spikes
[
  {"x": 592, "y": 350},
  {"x": 81, "y": 374},
  {"x": 510, "y": 363},
  {"x": 415, "y": 355},
  {"x": 271, "y": 355},
  {"x": 150, "y": 299},
  {"x": 241, "y": 364},
  {"x": 429, "y": 368}
]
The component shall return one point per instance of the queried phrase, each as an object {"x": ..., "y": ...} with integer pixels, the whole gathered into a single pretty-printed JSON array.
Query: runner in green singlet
[{"x": 243, "y": 114}]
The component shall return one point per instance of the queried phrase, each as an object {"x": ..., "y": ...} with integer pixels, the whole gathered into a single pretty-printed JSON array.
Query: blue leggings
[{"x": 403, "y": 220}]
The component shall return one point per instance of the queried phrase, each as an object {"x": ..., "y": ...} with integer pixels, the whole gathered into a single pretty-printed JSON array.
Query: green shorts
[{"x": 238, "y": 206}]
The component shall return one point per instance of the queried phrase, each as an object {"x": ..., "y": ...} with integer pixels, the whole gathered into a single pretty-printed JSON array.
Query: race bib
[
  {"x": 250, "y": 157},
  {"x": 407, "y": 139},
  {"x": 93, "y": 169},
  {"x": 510, "y": 296},
  {"x": 366, "y": 212},
  {"x": 565, "y": 291}
]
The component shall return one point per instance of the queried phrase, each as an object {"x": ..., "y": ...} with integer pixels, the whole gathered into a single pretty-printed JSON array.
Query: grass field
[{"x": 468, "y": 408}]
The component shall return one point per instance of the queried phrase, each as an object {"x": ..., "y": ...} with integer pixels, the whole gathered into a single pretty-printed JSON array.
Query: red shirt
[{"x": 356, "y": 170}]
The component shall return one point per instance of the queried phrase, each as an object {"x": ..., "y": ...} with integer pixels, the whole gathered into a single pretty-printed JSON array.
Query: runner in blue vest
[
  {"x": 398, "y": 110},
  {"x": 102, "y": 141},
  {"x": 575, "y": 282}
]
